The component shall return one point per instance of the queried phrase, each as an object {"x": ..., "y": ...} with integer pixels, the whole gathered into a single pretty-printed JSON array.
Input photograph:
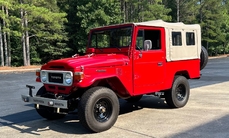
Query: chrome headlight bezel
[
  {"x": 67, "y": 77},
  {"x": 43, "y": 76}
]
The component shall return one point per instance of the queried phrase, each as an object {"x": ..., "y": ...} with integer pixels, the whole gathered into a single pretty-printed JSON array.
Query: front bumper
[
  {"x": 63, "y": 104},
  {"x": 49, "y": 102}
]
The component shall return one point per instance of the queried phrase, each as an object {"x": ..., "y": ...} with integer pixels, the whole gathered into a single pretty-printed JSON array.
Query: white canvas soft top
[
  {"x": 175, "y": 53},
  {"x": 183, "y": 52},
  {"x": 161, "y": 23}
]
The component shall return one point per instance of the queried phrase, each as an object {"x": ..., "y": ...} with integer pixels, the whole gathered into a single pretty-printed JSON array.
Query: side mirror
[{"x": 147, "y": 45}]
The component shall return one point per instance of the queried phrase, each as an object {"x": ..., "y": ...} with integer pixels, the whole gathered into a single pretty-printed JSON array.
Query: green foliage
[
  {"x": 95, "y": 14},
  {"x": 47, "y": 35},
  {"x": 60, "y": 28},
  {"x": 213, "y": 17},
  {"x": 153, "y": 10},
  {"x": 145, "y": 10}
]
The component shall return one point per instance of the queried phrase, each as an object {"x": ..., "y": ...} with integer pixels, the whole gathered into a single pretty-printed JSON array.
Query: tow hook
[{"x": 30, "y": 89}]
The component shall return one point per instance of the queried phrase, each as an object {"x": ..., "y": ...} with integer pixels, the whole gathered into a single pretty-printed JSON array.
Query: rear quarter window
[
  {"x": 176, "y": 39},
  {"x": 190, "y": 38}
]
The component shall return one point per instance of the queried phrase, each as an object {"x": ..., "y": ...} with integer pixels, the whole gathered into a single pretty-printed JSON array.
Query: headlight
[
  {"x": 68, "y": 78},
  {"x": 43, "y": 76}
]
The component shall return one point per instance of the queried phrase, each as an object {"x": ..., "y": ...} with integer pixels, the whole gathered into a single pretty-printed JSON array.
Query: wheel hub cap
[
  {"x": 180, "y": 92},
  {"x": 102, "y": 109}
]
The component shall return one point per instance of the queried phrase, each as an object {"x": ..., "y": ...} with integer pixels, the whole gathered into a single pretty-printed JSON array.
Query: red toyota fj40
[{"x": 121, "y": 61}]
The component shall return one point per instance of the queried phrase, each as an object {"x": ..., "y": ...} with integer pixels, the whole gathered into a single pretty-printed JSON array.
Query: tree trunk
[
  {"x": 127, "y": 8},
  {"x": 27, "y": 40},
  {"x": 207, "y": 45},
  {"x": 1, "y": 46},
  {"x": 123, "y": 10},
  {"x": 5, "y": 41},
  {"x": 200, "y": 12},
  {"x": 8, "y": 40},
  {"x": 178, "y": 10},
  {"x": 23, "y": 38}
]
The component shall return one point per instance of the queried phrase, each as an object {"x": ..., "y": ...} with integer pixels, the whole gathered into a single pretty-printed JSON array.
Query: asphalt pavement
[{"x": 205, "y": 115}]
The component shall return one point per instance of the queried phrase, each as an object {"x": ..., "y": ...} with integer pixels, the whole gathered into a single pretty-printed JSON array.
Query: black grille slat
[
  {"x": 57, "y": 67},
  {"x": 52, "y": 87},
  {"x": 61, "y": 88},
  {"x": 56, "y": 77}
]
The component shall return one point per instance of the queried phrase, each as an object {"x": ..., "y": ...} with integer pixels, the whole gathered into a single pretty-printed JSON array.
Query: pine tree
[
  {"x": 1, "y": 46},
  {"x": 93, "y": 14},
  {"x": 210, "y": 18},
  {"x": 43, "y": 26},
  {"x": 5, "y": 32}
]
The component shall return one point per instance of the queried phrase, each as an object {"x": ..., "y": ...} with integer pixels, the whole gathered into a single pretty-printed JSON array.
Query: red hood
[{"x": 100, "y": 60}]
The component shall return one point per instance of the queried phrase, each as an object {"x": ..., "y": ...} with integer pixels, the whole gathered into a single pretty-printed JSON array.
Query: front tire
[
  {"x": 98, "y": 109},
  {"x": 44, "y": 111},
  {"x": 178, "y": 95}
]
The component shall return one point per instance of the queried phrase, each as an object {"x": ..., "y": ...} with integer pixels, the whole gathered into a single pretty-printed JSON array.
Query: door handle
[{"x": 159, "y": 64}]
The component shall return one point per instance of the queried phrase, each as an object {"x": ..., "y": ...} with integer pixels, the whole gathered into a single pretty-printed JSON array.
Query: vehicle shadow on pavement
[
  {"x": 147, "y": 101},
  {"x": 30, "y": 122}
]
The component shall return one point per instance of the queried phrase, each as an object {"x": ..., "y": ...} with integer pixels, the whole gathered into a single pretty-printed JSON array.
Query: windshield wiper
[
  {"x": 100, "y": 49},
  {"x": 118, "y": 48}
]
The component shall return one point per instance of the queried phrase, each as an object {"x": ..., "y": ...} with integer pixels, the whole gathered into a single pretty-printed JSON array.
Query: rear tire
[
  {"x": 203, "y": 57},
  {"x": 47, "y": 112},
  {"x": 178, "y": 95},
  {"x": 98, "y": 109}
]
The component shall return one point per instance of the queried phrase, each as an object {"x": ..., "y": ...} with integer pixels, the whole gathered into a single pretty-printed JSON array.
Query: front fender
[
  {"x": 111, "y": 81},
  {"x": 120, "y": 79},
  {"x": 89, "y": 81}
]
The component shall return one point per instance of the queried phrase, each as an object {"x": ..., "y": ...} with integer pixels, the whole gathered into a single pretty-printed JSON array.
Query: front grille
[{"x": 55, "y": 77}]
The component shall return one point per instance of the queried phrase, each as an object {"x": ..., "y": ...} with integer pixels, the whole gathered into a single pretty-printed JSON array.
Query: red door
[{"x": 149, "y": 65}]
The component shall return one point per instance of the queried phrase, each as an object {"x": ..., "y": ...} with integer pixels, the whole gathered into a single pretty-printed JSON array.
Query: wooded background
[{"x": 36, "y": 31}]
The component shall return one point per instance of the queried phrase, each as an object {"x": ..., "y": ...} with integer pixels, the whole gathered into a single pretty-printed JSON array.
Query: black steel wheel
[
  {"x": 180, "y": 91},
  {"x": 178, "y": 95},
  {"x": 98, "y": 109},
  {"x": 103, "y": 110},
  {"x": 47, "y": 112}
]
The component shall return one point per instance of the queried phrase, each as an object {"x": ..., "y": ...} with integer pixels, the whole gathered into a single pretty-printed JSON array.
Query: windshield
[{"x": 109, "y": 38}]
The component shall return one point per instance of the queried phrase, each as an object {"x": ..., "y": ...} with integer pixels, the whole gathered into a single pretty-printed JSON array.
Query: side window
[
  {"x": 140, "y": 40},
  {"x": 176, "y": 39},
  {"x": 153, "y": 35},
  {"x": 190, "y": 38}
]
